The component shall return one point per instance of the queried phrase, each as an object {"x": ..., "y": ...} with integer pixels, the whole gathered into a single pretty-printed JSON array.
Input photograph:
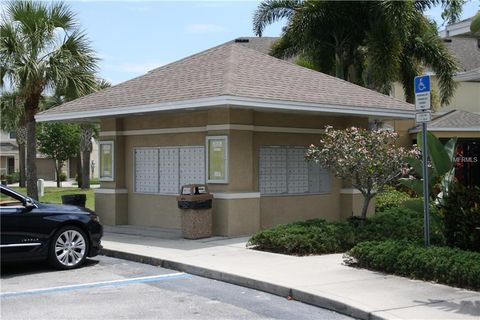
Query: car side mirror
[{"x": 29, "y": 205}]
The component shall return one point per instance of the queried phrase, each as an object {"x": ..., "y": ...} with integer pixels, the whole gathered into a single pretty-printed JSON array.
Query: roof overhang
[
  {"x": 461, "y": 28},
  {"x": 471, "y": 129},
  {"x": 472, "y": 75},
  {"x": 254, "y": 103}
]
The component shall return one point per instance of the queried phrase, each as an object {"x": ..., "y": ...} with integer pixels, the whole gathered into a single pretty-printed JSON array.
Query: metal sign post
[
  {"x": 422, "y": 103},
  {"x": 426, "y": 193}
]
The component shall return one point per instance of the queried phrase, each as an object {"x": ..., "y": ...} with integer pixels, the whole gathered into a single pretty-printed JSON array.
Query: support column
[{"x": 111, "y": 199}]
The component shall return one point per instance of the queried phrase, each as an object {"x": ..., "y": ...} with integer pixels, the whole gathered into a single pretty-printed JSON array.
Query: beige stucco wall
[
  {"x": 112, "y": 208},
  {"x": 153, "y": 210},
  {"x": 235, "y": 217},
  {"x": 247, "y": 130},
  {"x": 467, "y": 98}
]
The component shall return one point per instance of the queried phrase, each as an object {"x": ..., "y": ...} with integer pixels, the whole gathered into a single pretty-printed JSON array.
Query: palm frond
[
  {"x": 270, "y": 11},
  {"x": 384, "y": 48},
  {"x": 410, "y": 68},
  {"x": 61, "y": 16},
  {"x": 426, "y": 46}
]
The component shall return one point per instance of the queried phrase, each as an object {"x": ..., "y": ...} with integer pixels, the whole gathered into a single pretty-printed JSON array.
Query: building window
[
  {"x": 283, "y": 170},
  {"x": 12, "y": 135},
  {"x": 164, "y": 170},
  {"x": 217, "y": 159},
  {"x": 107, "y": 156}
]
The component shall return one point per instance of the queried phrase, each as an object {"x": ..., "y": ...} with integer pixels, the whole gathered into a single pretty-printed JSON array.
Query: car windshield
[{"x": 14, "y": 196}]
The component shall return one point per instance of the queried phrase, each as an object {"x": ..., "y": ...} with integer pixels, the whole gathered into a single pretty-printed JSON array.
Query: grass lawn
[{"x": 54, "y": 195}]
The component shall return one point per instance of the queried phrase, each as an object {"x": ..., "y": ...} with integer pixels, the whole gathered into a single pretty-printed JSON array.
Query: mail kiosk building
[{"x": 234, "y": 118}]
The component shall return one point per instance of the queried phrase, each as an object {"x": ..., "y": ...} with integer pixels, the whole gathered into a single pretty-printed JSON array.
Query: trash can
[
  {"x": 195, "y": 203},
  {"x": 75, "y": 199}
]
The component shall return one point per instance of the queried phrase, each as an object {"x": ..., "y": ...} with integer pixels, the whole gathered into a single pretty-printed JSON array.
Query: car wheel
[{"x": 69, "y": 248}]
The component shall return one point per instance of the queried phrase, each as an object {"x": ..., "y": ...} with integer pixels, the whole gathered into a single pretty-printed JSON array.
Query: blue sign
[{"x": 422, "y": 84}]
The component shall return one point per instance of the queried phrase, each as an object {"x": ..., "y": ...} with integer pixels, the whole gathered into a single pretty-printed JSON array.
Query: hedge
[
  {"x": 307, "y": 237},
  {"x": 320, "y": 237},
  {"x": 390, "y": 198},
  {"x": 445, "y": 265}
]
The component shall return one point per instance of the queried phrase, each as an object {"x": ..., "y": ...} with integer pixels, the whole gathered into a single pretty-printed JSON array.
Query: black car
[{"x": 65, "y": 235}]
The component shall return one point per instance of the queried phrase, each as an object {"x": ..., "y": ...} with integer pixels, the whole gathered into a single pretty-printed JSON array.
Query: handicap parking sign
[
  {"x": 422, "y": 92},
  {"x": 422, "y": 84}
]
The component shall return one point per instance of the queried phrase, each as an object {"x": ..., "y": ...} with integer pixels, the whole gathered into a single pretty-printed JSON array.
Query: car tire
[{"x": 69, "y": 248}]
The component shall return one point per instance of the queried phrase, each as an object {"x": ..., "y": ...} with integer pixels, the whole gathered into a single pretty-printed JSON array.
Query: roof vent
[{"x": 240, "y": 40}]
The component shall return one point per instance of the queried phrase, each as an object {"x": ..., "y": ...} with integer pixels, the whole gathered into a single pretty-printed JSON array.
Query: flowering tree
[{"x": 370, "y": 159}]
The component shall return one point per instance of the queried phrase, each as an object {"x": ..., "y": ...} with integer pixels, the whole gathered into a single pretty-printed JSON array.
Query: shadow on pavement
[
  {"x": 13, "y": 269},
  {"x": 470, "y": 307}
]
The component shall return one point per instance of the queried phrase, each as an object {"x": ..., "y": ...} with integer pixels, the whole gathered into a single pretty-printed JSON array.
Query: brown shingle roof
[
  {"x": 230, "y": 70},
  {"x": 467, "y": 52}
]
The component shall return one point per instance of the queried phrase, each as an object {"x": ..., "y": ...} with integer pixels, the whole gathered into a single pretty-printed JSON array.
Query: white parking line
[{"x": 100, "y": 284}]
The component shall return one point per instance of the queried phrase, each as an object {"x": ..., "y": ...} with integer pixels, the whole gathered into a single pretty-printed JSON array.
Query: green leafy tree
[
  {"x": 12, "y": 119},
  {"x": 475, "y": 25},
  {"x": 441, "y": 169},
  {"x": 42, "y": 48},
  {"x": 369, "y": 159},
  {"x": 59, "y": 141},
  {"x": 370, "y": 43}
]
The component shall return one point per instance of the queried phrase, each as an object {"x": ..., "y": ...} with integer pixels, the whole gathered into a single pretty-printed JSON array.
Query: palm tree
[
  {"x": 88, "y": 131},
  {"x": 371, "y": 43},
  {"x": 12, "y": 118},
  {"x": 41, "y": 48}
]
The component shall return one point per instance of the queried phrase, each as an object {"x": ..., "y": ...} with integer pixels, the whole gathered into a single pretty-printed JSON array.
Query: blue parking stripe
[{"x": 102, "y": 284}]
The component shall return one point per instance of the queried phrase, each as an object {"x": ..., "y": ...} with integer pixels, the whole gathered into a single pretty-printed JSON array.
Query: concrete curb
[{"x": 305, "y": 297}]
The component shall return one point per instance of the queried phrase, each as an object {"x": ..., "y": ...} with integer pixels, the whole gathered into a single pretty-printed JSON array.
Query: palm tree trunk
[
  {"x": 86, "y": 169},
  {"x": 86, "y": 149},
  {"x": 21, "y": 141},
  {"x": 30, "y": 110},
  {"x": 78, "y": 162},
  {"x": 21, "y": 156}
]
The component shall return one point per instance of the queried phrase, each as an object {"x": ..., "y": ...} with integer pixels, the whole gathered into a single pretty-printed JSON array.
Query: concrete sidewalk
[{"x": 319, "y": 280}]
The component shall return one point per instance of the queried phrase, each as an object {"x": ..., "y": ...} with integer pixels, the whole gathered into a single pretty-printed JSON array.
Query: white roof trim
[
  {"x": 472, "y": 75},
  {"x": 456, "y": 29},
  {"x": 470, "y": 129},
  {"x": 216, "y": 127},
  {"x": 230, "y": 100}
]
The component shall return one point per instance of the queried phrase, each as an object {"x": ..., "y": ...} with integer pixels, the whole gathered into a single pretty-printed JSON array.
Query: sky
[{"x": 133, "y": 37}]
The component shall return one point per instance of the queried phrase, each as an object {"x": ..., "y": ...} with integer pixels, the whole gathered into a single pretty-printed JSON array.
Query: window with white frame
[
  {"x": 283, "y": 170},
  {"x": 164, "y": 170},
  {"x": 106, "y": 155},
  {"x": 217, "y": 159}
]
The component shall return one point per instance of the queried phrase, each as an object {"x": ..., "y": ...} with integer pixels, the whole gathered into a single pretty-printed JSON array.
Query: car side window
[{"x": 7, "y": 200}]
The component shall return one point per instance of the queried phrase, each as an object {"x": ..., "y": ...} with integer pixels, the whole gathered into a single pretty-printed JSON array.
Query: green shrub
[
  {"x": 446, "y": 265},
  {"x": 63, "y": 176},
  {"x": 13, "y": 177},
  {"x": 461, "y": 214},
  {"x": 320, "y": 237},
  {"x": 390, "y": 198},
  {"x": 306, "y": 237},
  {"x": 401, "y": 224}
]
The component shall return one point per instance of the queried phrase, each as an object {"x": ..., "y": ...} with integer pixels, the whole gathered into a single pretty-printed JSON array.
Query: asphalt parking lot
[{"x": 108, "y": 288}]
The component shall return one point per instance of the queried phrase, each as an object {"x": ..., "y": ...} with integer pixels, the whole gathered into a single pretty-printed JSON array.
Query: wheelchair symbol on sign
[{"x": 421, "y": 85}]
